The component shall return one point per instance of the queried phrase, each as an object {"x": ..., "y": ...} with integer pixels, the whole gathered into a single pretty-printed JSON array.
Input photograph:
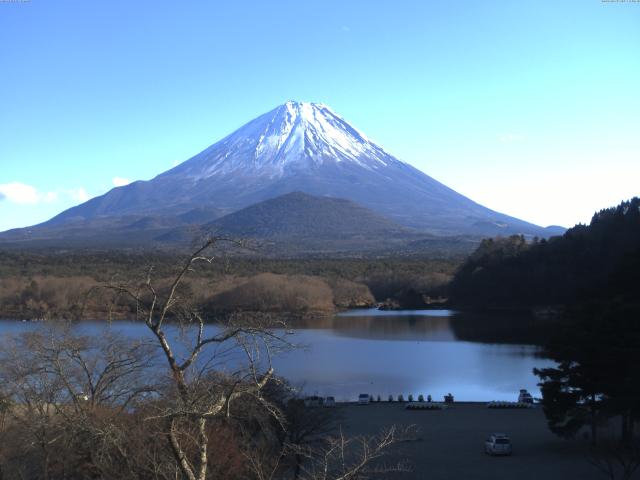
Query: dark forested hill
[
  {"x": 298, "y": 224},
  {"x": 599, "y": 260},
  {"x": 300, "y": 215}
]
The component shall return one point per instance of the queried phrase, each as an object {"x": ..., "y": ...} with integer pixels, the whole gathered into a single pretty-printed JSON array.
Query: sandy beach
[{"x": 450, "y": 442}]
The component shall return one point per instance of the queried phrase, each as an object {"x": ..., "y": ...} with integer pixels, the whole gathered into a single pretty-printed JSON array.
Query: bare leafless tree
[
  {"x": 307, "y": 431},
  {"x": 339, "y": 457},
  {"x": 61, "y": 385},
  {"x": 357, "y": 457},
  {"x": 104, "y": 407},
  {"x": 202, "y": 390}
]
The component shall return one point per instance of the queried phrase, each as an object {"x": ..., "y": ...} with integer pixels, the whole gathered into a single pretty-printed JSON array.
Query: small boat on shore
[
  {"x": 426, "y": 406},
  {"x": 495, "y": 404}
]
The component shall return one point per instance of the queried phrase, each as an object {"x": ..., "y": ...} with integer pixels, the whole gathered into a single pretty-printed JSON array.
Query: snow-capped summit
[
  {"x": 299, "y": 147},
  {"x": 295, "y": 135}
]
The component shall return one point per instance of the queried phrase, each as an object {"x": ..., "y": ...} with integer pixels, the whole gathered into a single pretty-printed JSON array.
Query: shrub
[{"x": 270, "y": 292}]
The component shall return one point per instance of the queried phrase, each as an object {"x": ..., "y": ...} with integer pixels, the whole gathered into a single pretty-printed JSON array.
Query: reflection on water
[
  {"x": 394, "y": 352},
  {"x": 372, "y": 324},
  {"x": 419, "y": 352},
  {"x": 501, "y": 328}
]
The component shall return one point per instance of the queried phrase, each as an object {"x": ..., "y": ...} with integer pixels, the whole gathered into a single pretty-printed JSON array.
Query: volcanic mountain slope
[
  {"x": 301, "y": 147},
  {"x": 291, "y": 225},
  {"x": 297, "y": 223},
  {"x": 298, "y": 214}
]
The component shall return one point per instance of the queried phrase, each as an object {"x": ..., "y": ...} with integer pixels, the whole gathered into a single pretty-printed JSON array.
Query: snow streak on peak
[{"x": 293, "y": 137}]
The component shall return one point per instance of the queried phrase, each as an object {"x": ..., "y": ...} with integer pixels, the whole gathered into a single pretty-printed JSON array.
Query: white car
[
  {"x": 498, "y": 444},
  {"x": 364, "y": 399}
]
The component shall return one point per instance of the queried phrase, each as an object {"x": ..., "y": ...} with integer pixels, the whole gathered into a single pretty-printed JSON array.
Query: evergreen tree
[
  {"x": 597, "y": 350},
  {"x": 586, "y": 262}
]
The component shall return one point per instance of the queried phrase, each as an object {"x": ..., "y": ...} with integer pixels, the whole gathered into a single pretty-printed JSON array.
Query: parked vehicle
[
  {"x": 330, "y": 402},
  {"x": 364, "y": 399},
  {"x": 313, "y": 401},
  {"x": 498, "y": 444},
  {"x": 524, "y": 396}
]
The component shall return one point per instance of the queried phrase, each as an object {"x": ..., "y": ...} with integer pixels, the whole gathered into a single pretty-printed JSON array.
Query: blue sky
[{"x": 530, "y": 108}]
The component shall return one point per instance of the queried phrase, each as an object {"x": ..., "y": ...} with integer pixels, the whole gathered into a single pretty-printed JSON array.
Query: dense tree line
[
  {"x": 68, "y": 298},
  {"x": 54, "y": 285},
  {"x": 104, "y": 265},
  {"x": 600, "y": 260}
]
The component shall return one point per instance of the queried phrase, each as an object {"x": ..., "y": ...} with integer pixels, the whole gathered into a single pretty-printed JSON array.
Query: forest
[
  {"x": 596, "y": 261},
  {"x": 57, "y": 284}
]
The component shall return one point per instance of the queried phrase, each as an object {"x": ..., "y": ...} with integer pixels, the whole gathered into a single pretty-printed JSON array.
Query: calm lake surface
[{"x": 387, "y": 353}]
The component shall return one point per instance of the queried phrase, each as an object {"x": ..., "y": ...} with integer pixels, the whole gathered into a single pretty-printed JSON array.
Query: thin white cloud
[
  {"x": 78, "y": 194},
  {"x": 21, "y": 193},
  {"x": 49, "y": 197},
  {"x": 511, "y": 137},
  {"x": 24, "y": 194},
  {"x": 345, "y": 28},
  {"x": 120, "y": 181}
]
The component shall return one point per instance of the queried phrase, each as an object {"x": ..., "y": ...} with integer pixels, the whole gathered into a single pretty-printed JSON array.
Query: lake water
[{"x": 387, "y": 353}]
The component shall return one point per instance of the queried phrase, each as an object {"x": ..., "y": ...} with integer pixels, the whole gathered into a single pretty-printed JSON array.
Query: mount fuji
[{"x": 296, "y": 147}]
